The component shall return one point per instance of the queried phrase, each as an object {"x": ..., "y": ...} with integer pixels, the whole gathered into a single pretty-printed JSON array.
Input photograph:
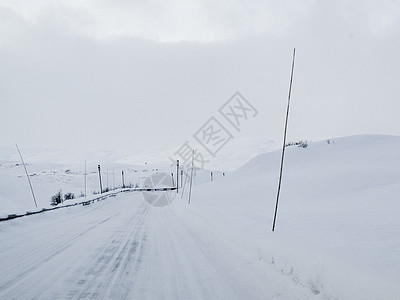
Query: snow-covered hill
[
  {"x": 53, "y": 170},
  {"x": 337, "y": 232},
  {"x": 338, "y": 222}
]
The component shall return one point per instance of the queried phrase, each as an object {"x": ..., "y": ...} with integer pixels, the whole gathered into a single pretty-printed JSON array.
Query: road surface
[{"x": 123, "y": 248}]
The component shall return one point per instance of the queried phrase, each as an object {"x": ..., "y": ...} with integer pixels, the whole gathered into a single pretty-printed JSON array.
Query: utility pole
[
  {"x": 284, "y": 141},
  {"x": 101, "y": 186},
  {"x": 26, "y": 172},
  {"x": 123, "y": 182}
]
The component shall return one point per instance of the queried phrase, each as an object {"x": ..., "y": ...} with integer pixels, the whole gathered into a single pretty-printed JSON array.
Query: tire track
[
  {"x": 111, "y": 270},
  {"x": 43, "y": 267},
  {"x": 59, "y": 246}
]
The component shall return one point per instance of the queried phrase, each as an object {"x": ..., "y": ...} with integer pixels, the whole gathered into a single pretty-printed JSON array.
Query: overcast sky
[{"x": 146, "y": 75}]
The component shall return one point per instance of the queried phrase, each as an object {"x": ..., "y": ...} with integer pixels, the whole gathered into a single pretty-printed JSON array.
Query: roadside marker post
[
  {"x": 284, "y": 142},
  {"x": 177, "y": 176},
  {"x": 26, "y": 172},
  {"x": 101, "y": 186}
]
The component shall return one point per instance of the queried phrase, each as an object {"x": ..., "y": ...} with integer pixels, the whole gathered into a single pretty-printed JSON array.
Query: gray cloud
[
  {"x": 73, "y": 74},
  {"x": 172, "y": 20}
]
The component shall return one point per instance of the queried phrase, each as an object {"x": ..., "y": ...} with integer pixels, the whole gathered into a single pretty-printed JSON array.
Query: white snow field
[{"x": 337, "y": 234}]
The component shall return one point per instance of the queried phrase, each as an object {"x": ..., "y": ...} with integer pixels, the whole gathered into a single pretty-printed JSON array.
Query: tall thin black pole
[
  {"x": 26, "y": 172},
  {"x": 284, "y": 141}
]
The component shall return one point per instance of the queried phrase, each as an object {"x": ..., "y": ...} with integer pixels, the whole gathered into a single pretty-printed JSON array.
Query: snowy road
[
  {"x": 74, "y": 253},
  {"x": 122, "y": 248},
  {"x": 337, "y": 237}
]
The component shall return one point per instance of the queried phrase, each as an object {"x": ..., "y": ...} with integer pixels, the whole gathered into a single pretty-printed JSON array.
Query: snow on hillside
[
  {"x": 337, "y": 228},
  {"x": 49, "y": 172},
  {"x": 53, "y": 170}
]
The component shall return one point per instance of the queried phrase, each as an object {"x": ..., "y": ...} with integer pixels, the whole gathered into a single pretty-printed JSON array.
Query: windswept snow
[
  {"x": 52, "y": 170},
  {"x": 125, "y": 249},
  {"x": 337, "y": 235},
  {"x": 338, "y": 227}
]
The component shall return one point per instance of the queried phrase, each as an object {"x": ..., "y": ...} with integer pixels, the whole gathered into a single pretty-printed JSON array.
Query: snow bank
[{"x": 337, "y": 227}]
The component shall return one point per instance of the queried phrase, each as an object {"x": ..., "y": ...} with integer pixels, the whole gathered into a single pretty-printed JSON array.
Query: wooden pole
[
  {"x": 26, "y": 172},
  {"x": 284, "y": 142}
]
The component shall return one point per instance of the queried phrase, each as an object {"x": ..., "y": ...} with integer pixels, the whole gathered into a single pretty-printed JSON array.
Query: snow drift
[
  {"x": 336, "y": 235},
  {"x": 337, "y": 227}
]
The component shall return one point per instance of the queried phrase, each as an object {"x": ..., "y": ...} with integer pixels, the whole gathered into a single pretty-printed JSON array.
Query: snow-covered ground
[
  {"x": 54, "y": 170},
  {"x": 338, "y": 222},
  {"x": 337, "y": 233}
]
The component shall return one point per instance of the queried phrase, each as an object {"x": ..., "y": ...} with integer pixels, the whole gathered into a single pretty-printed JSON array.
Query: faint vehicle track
[
  {"x": 92, "y": 248},
  {"x": 110, "y": 274}
]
